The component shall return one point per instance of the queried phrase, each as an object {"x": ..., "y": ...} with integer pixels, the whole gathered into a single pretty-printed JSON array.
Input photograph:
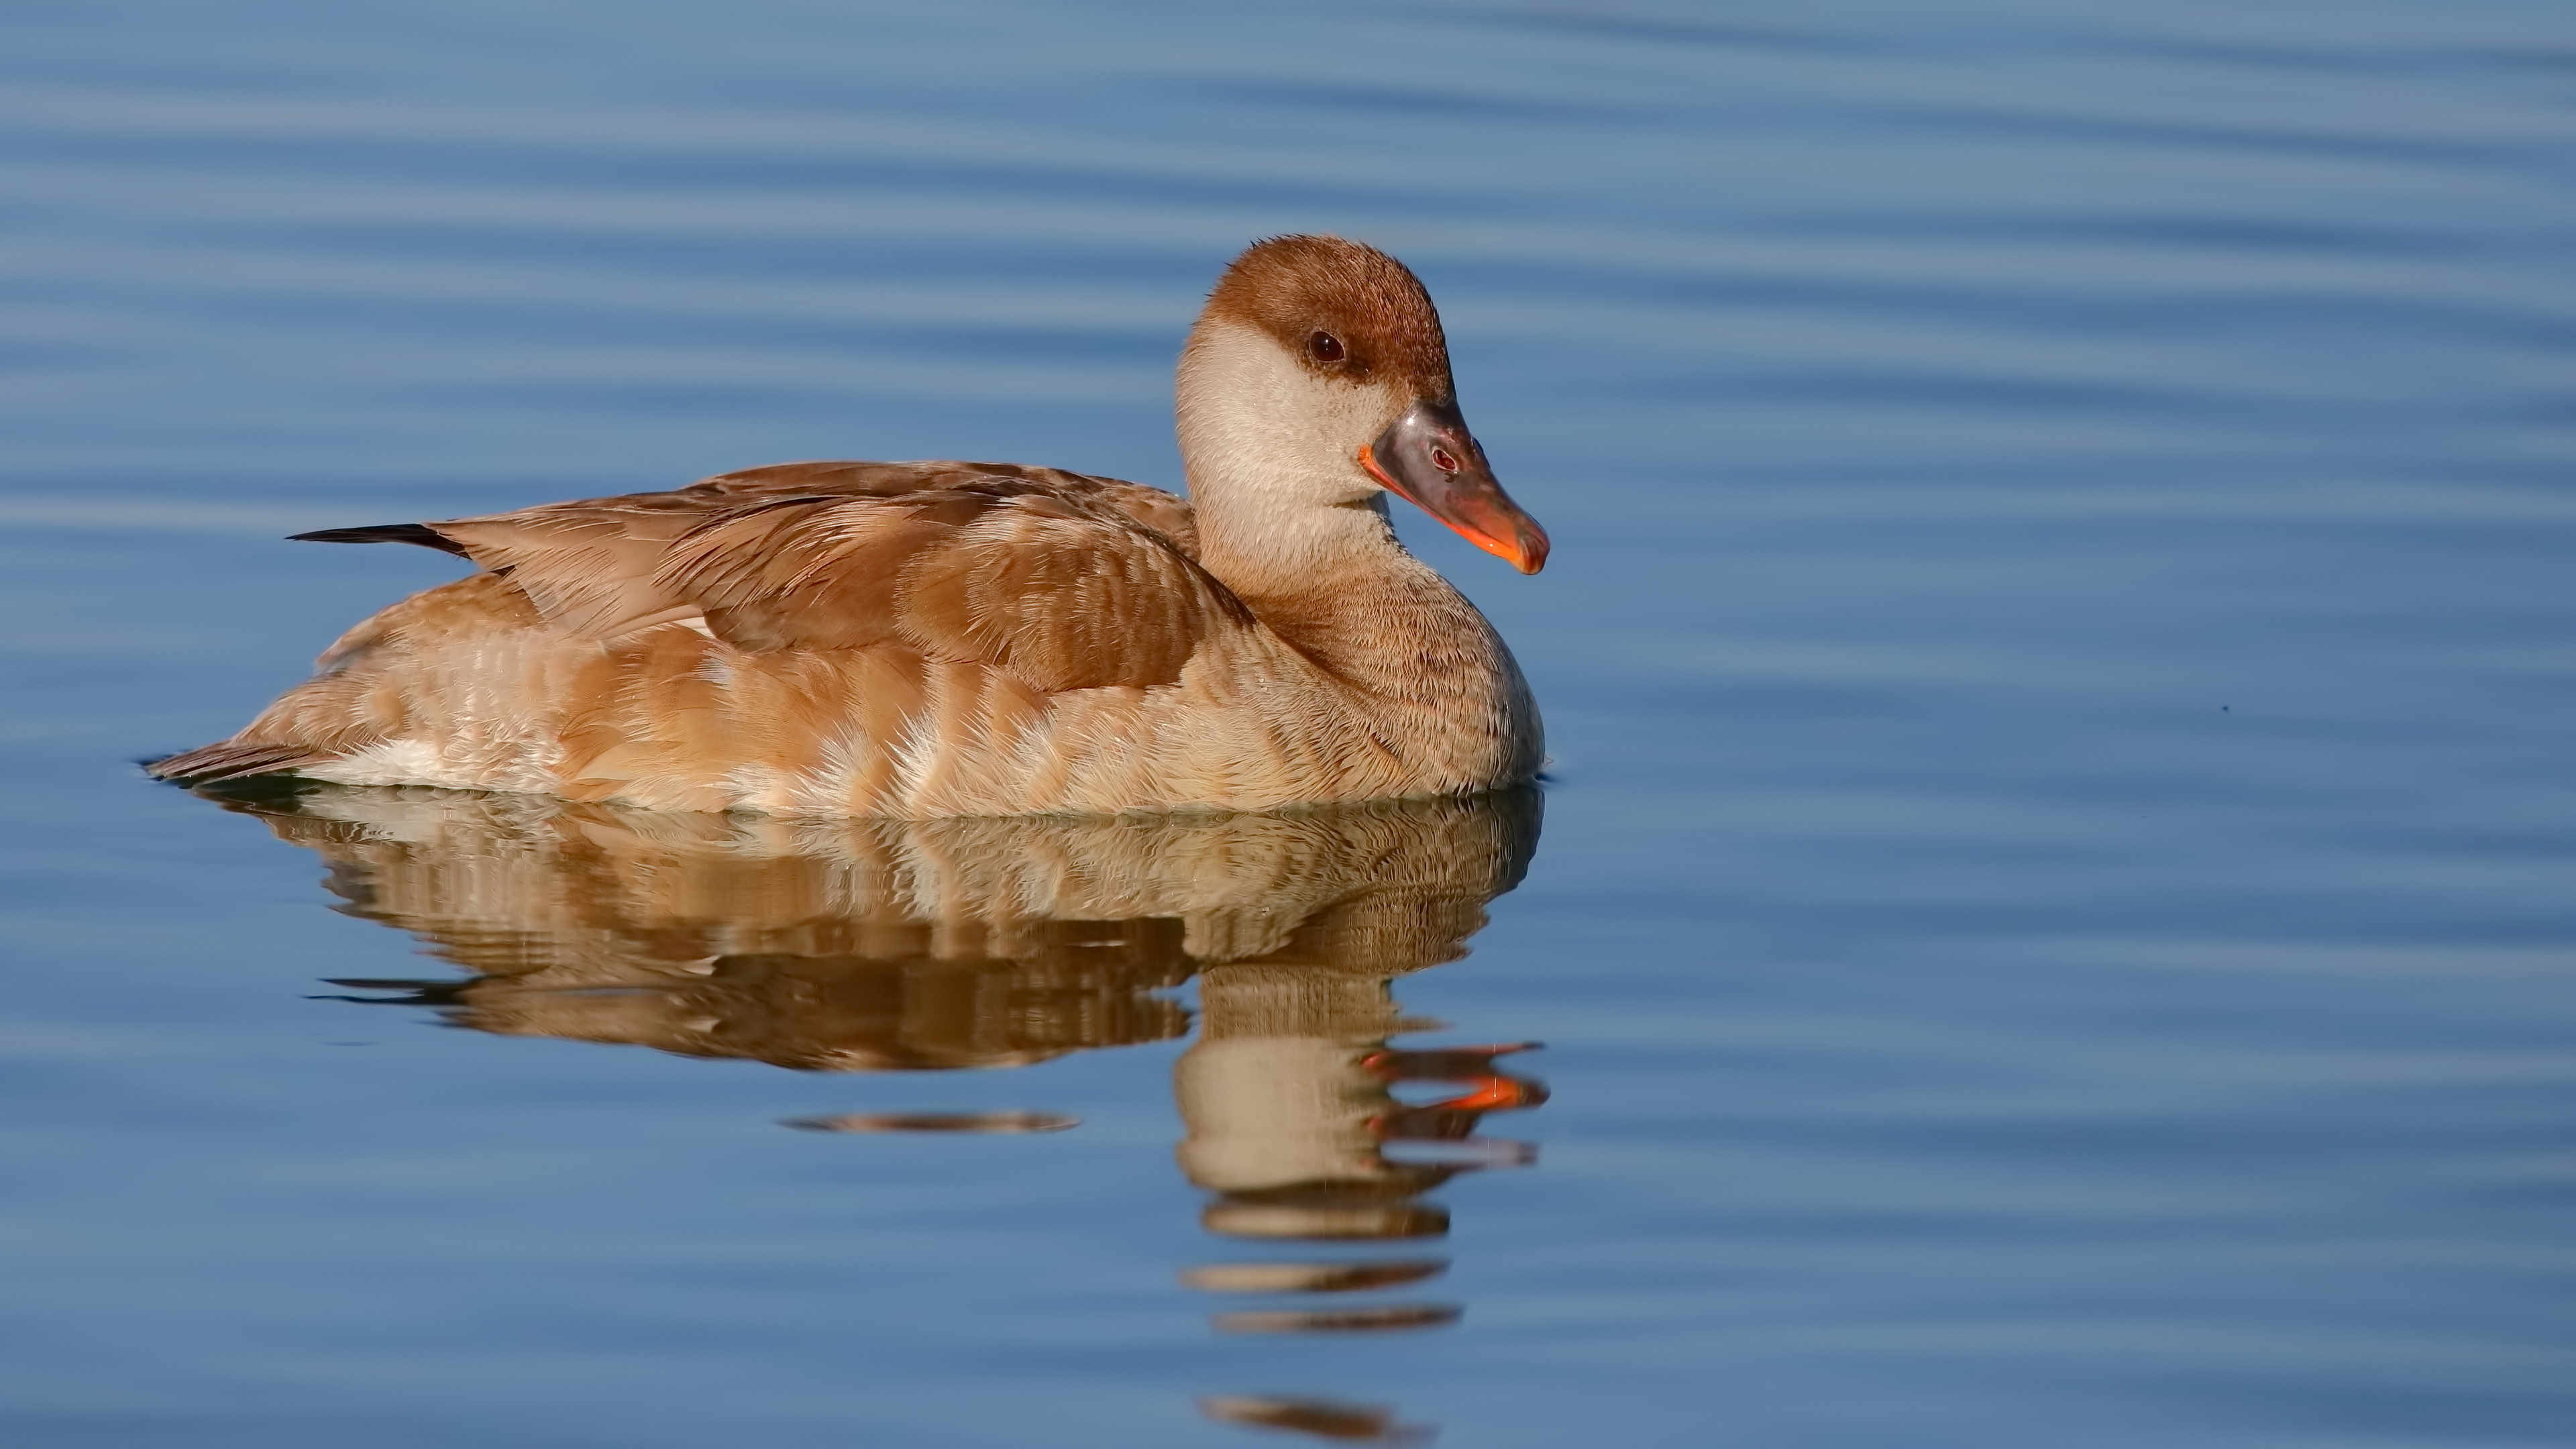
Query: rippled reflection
[
  {"x": 885, "y": 945},
  {"x": 936, "y": 1122},
  {"x": 1322, "y": 1418}
]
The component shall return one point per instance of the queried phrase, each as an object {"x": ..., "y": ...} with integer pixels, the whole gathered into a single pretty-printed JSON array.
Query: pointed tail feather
[
  {"x": 228, "y": 760},
  {"x": 419, "y": 533}
]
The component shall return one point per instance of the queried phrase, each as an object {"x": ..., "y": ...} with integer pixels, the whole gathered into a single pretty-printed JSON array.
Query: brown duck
[{"x": 934, "y": 639}]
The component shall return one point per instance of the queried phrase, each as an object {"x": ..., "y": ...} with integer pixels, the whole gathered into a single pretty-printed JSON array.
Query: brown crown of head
[{"x": 1345, "y": 309}]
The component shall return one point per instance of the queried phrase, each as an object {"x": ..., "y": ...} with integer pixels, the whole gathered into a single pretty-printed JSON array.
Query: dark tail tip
[
  {"x": 418, "y": 533},
  {"x": 229, "y": 761}
]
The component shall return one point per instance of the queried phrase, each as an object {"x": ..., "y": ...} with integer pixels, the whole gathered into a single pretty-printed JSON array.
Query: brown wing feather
[
  {"x": 1059, "y": 587},
  {"x": 1062, "y": 600},
  {"x": 605, "y": 566},
  {"x": 807, "y": 573}
]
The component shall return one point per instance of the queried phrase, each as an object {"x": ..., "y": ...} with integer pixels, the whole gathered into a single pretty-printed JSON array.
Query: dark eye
[
  {"x": 1442, "y": 459},
  {"x": 1324, "y": 347}
]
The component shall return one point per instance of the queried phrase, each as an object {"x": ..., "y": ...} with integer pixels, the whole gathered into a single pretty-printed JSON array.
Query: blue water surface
[{"x": 2054, "y": 920}]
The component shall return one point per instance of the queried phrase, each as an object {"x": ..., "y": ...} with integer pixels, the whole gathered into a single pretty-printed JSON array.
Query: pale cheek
[
  {"x": 1362, "y": 414},
  {"x": 1275, "y": 425},
  {"x": 1321, "y": 417}
]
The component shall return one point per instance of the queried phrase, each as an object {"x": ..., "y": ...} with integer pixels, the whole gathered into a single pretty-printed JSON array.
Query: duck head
[{"x": 1318, "y": 378}]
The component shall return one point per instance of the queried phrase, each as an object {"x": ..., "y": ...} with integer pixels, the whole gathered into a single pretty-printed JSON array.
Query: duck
[{"x": 933, "y": 639}]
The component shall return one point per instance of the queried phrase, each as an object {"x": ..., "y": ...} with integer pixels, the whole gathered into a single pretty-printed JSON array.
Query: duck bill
[{"x": 1428, "y": 458}]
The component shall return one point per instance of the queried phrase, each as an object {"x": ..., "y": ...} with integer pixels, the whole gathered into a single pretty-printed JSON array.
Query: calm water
[{"x": 2054, "y": 921}]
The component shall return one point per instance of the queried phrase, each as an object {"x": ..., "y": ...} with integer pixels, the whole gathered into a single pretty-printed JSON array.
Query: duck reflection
[
  {"x": 886, "y": 945},
  {"x": 1322, "y": 1418},
  {"x": 1288, "y": 1100}
]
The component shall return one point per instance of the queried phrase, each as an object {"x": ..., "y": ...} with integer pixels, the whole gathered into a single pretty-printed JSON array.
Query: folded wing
[{"x": 1064, "y": 580}]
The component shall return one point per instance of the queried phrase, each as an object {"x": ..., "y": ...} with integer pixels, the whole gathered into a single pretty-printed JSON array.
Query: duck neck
[
  {"x": 1275, "y": 555},
  {"x": 1333, "y": 581}
]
